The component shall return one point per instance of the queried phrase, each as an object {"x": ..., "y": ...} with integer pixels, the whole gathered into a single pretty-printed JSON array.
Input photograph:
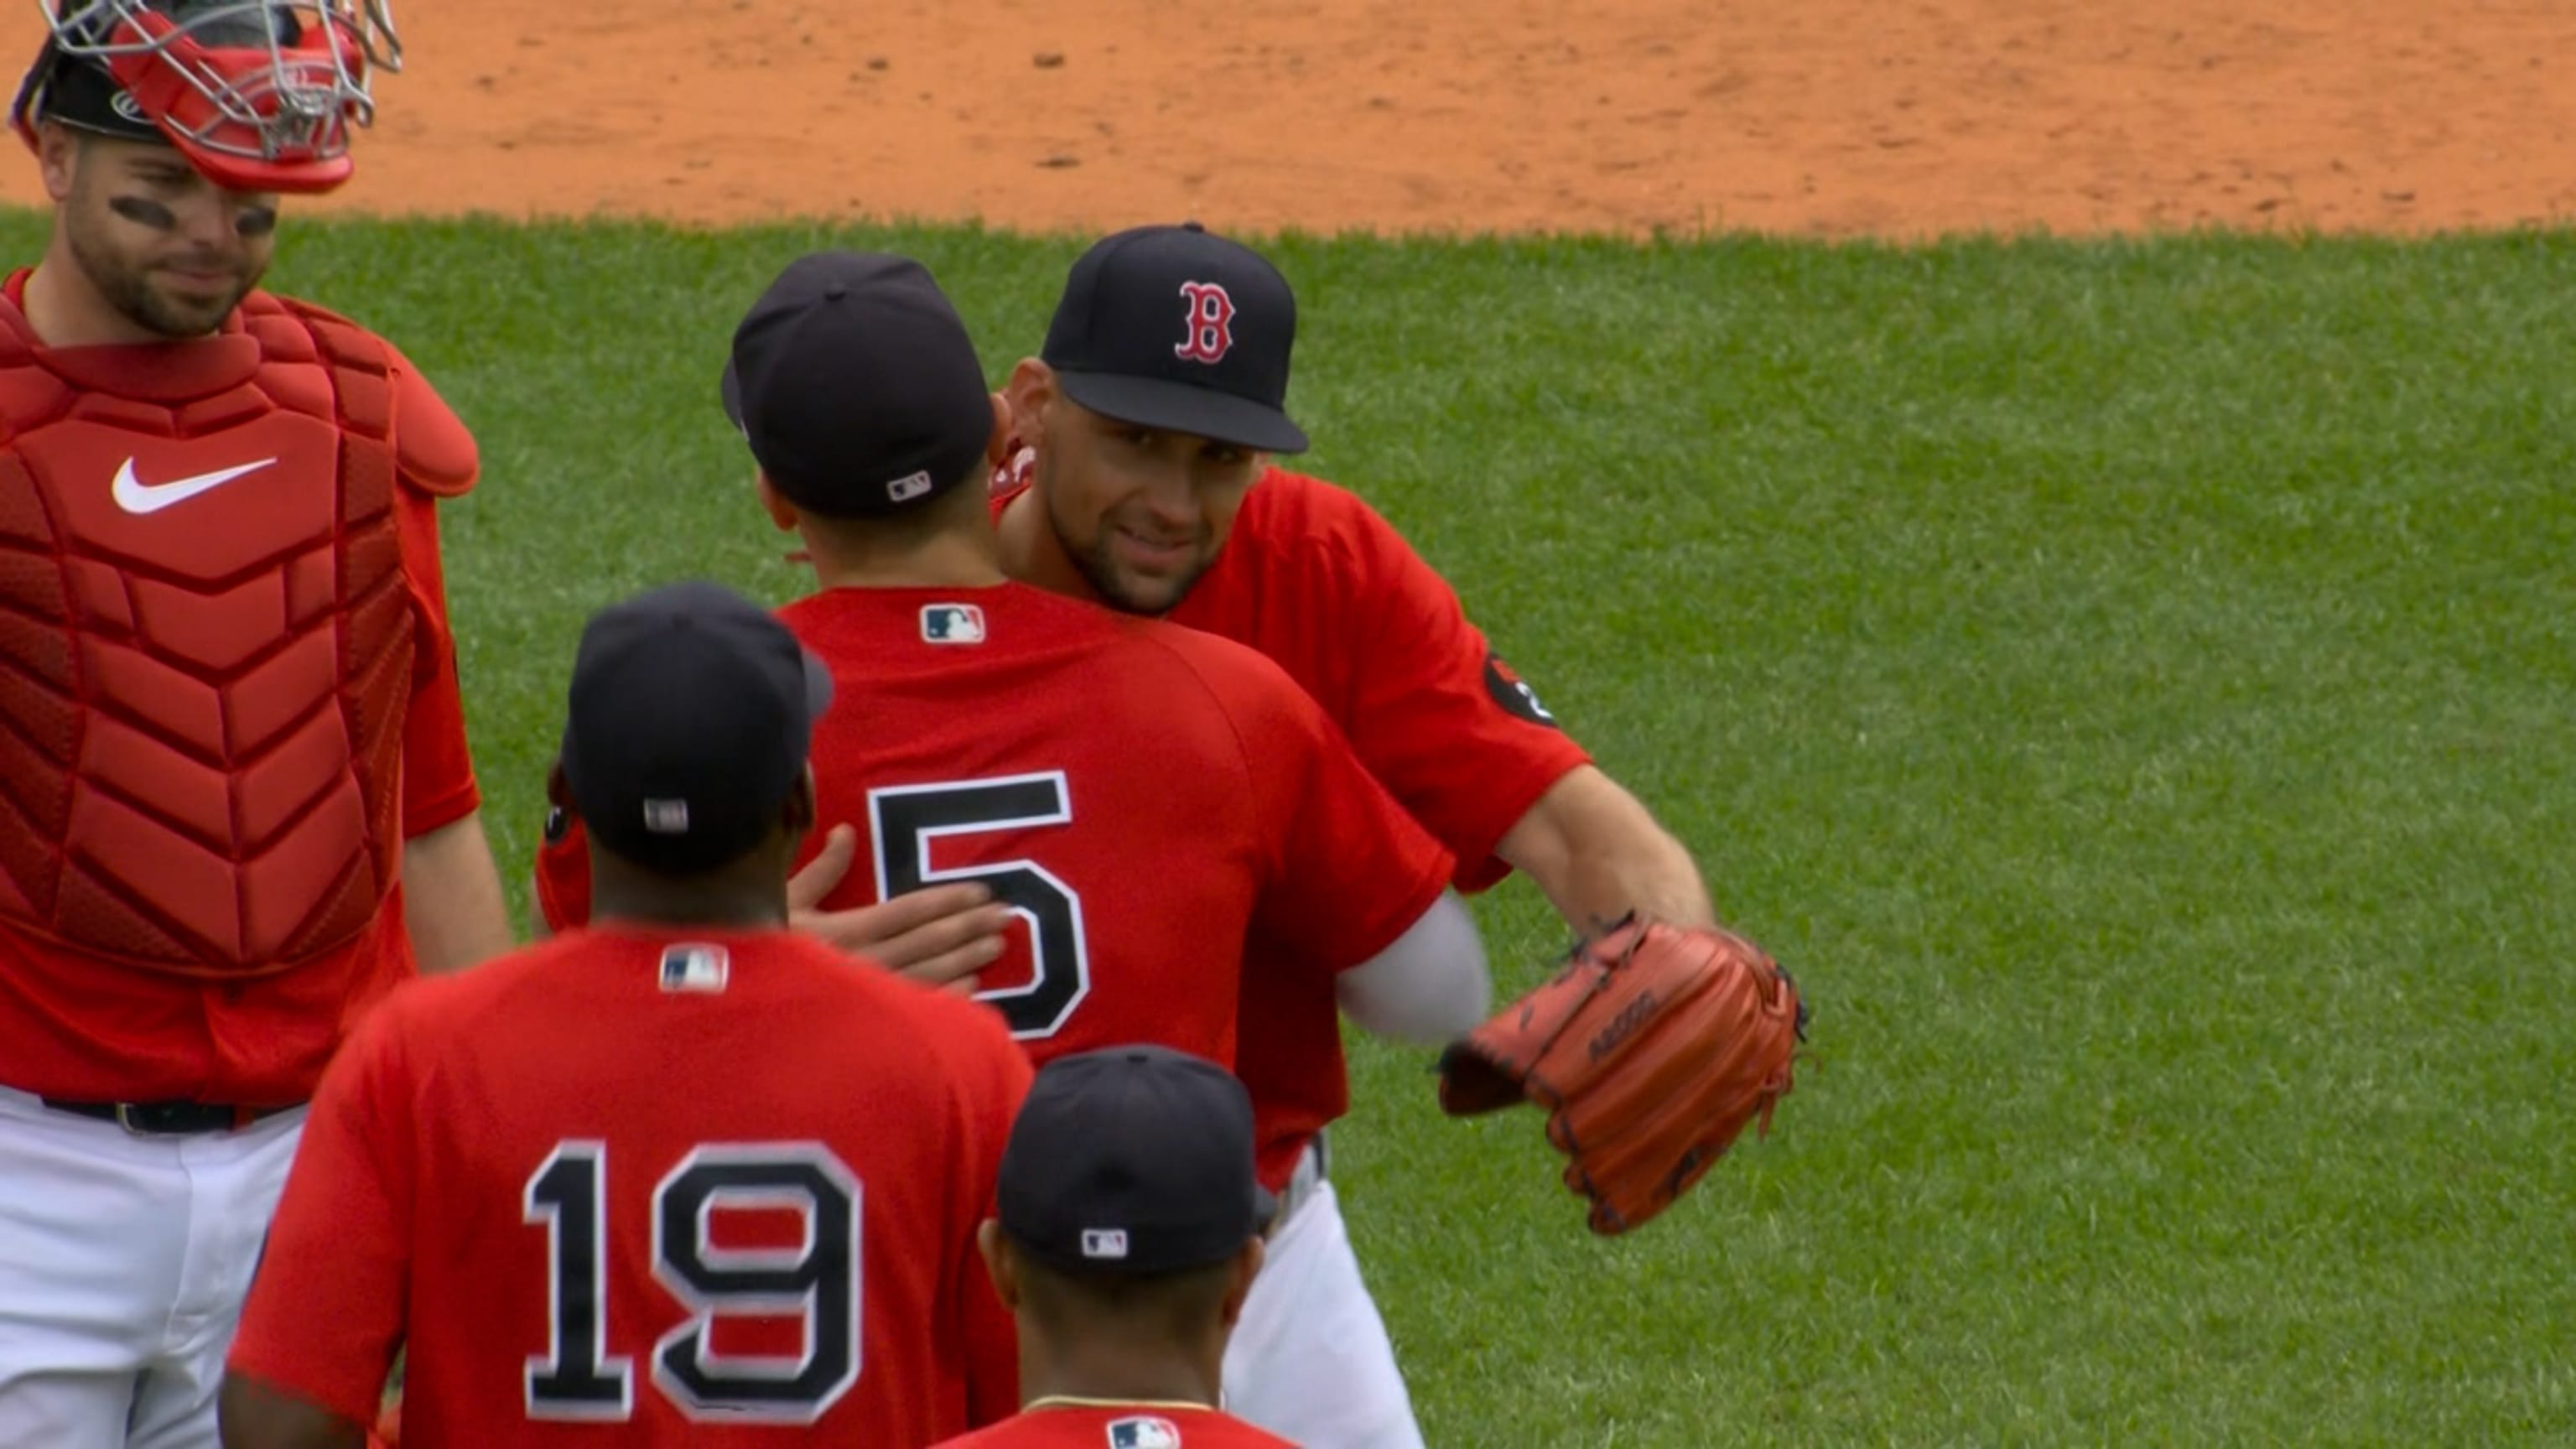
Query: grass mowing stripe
[{"x": 2130, "y": 682}]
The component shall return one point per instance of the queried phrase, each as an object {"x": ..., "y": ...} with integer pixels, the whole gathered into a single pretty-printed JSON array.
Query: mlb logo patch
[
  {"x": 1104, "y": 1242},
  {"x": 696, "y": 968},
  {"x": 952, "y": 624},
  {"x": 666, "y": 817},
  {"x": 1144, "y": 1432},
  {"x": 908, "y": 487}
]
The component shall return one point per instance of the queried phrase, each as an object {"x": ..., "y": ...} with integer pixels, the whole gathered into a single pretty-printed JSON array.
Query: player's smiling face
[
  {"x": 170, "y": 250},
  {"x": 1140, "y": 512}
]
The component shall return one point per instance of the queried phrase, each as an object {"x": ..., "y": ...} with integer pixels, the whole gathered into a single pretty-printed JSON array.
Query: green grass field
[{"x": 2133, "y": 685}]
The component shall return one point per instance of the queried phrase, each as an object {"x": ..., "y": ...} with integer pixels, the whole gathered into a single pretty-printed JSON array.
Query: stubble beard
[
  {"x": 1099, "y": 567},
  {"x": 129, "y": 290}
]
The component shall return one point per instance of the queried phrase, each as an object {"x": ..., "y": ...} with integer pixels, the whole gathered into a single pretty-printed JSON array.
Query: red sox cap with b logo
[{"x": 1172, "y": 328}]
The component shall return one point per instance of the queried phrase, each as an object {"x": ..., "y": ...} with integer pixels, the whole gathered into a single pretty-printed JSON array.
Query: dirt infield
[{"x": 1839, "y": 117}]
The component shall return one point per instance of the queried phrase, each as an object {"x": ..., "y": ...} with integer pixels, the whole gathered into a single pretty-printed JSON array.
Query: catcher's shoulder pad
[
  {"x": 433, "y": 450},
  {"x": 437, "y": 453}
]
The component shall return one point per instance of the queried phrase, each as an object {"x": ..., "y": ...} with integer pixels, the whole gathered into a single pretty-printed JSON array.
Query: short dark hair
[
  {"x": 925, "y": 520},
  {"x": 1164, "y": 1304}
]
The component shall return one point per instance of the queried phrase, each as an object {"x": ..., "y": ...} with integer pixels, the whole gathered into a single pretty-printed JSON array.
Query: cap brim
[
  {"x": 1177, "y": 407},
  {"x": 818, "y": 686},
  {"x": 730, "y": 390}
]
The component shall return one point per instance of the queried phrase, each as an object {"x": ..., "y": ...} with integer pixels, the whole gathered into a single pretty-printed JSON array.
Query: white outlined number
[
  {"x": 575, "y": 1379},
  {"x": 817, "y": 1280},
  {"x": 906, "y": 819}
]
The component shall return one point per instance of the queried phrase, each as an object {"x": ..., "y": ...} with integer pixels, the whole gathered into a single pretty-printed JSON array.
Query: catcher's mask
[{"x": 259, "y": 95}]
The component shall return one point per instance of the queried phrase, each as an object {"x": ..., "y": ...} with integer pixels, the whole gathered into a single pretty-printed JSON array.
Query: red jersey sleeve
[
  {"x": 1318, "y": 581},
  {"x": 1430, "y": 709},
  {"x": 327, "y": 1307},
  {"x": 439, "y": 787},
  {"x": 436, "y": 458},
  {"x": 1348, "y": 869}
]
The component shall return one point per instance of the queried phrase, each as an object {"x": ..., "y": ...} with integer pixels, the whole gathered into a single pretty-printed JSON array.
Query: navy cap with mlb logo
[
  {"x": 691, "y": 712},
  {"x": 1173, "y": 328},
  {"x": 1133, "y": 1161},
  {"x": 856, "y": 385}
]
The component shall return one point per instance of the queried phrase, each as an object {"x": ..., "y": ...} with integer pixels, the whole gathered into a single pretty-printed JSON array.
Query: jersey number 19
[{"x": 577, "y": 1377}]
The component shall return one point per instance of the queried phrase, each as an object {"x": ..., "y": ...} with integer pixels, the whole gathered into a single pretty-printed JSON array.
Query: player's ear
[
  {"x": 58, "y": 153},
  {"x": 1031, "y": 388},
  {"x": 998, "y": 1263},
  {"x": 798, "y": 813},
  {"x": 1240, "y": 1273},
  {"x": 781, "y": 512}
]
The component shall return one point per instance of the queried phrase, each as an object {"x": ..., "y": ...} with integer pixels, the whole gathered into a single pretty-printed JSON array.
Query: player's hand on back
[{"x": 941, "y": 935}]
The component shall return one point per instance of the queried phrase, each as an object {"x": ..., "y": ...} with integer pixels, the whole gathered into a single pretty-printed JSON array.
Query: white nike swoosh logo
[{"x": 136, "y": 496}]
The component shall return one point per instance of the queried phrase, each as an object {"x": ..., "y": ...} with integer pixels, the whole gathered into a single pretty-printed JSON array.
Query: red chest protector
[{"x": 207, "y": 641}]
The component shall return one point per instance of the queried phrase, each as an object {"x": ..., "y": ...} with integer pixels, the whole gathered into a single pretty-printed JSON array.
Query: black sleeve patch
[{"x": 1514, "y": 694}]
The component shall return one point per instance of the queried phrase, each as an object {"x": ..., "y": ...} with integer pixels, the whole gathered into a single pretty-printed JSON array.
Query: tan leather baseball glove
[{"x": 1650, "y": 1052}]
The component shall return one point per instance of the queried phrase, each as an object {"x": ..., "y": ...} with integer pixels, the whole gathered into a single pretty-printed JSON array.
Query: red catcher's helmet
[{"x": 259, "y": 95}]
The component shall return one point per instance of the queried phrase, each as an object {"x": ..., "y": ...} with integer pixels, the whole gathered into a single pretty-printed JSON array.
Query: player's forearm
[
  {"x": 1597, "y": 853},
  {"x": 452, "y": 902},
  {"x": 257, "y": 1416}
]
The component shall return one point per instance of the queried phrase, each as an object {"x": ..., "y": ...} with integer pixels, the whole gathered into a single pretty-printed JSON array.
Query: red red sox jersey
[
  {"x": 1316, "y": 580},
  {"x": 697, "y": 1185},
  {"x": 1144, "y": 797},
  {"x": 227, "y": 695},
  {"x": 1088, "y": 1424}
]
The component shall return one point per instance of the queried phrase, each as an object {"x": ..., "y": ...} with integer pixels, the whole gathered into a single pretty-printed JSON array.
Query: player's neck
[
  {"x": 956, "y": 558},
  {"x": 1033, "y": 554},
  {"x": 1099, "y": 1367},
  {"x": 733, "y": 898},
  {"x": 64, "y": 309}
]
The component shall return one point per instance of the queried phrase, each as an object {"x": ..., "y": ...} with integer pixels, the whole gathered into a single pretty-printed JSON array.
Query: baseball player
[
  {"x": 1140, "y": 797},
  {"x": 1129, "y": 1231},
  {"x": 236, "y": 805},
  {"x": 668, "y": 1180},
  {"x": 1145, "y": 483}
]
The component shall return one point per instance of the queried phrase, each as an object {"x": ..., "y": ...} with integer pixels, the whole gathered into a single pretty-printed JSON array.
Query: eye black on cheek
[
  {"x": 255, "y": 221},
  {"x": 144, "y": 212}
]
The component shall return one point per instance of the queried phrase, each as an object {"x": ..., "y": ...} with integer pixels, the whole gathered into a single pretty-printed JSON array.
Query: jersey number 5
[
  {"x": 577, "y": 1378},
  {"x": 906, "y": 819}
]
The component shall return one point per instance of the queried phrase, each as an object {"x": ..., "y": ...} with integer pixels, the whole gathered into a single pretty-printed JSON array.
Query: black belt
[
  {"x": 1290, "y": 1199},
  {"x": 168, "y": 1119}
]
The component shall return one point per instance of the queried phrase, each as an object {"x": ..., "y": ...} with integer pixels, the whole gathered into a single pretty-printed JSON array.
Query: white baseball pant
[
  {"x": 123, "y": 1263},
  {"x": 1310, "y": 1360}
]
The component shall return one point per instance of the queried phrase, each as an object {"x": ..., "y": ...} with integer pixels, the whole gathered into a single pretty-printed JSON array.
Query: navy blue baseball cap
[
  {"x": 691, "y": 712},
  {"x": 1170, "y": 327},
  {"x": 1133, "y": 1161},
  {"x": 855, "y": 383}
]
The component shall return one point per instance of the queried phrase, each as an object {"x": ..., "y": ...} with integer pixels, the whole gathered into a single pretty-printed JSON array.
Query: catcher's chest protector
[{"x": 206, "y": 643}]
